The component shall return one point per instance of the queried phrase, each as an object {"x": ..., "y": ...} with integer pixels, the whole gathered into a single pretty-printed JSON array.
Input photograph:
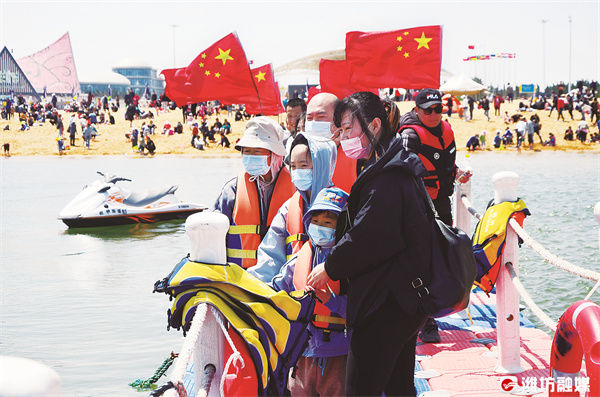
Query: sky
[{"x": 104, "y": 32}]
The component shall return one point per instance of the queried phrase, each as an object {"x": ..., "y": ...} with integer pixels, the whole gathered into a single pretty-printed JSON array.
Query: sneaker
[{"x": 429, "y": 333}]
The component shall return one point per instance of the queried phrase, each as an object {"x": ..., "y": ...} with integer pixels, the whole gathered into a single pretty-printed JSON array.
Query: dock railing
[{"x": 508, "y": 284}]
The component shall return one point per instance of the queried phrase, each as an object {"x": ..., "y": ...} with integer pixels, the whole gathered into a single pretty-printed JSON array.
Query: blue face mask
[
  {"x": 255, "y": 165},
  {"x": 302, "y": 179},
  {"x": 321, "y": 235}
]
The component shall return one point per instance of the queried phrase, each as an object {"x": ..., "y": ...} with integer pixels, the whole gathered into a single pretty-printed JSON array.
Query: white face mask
[{"x": 318, "y": 128}]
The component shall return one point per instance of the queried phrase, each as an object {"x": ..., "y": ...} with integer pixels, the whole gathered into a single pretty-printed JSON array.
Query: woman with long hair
[{"x": 386, "y": 236}]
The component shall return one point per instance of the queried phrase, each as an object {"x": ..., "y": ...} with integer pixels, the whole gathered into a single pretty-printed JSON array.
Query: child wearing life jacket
[
  {"x": 321, "y": 371},
  {"x": 312, "y": 161}
]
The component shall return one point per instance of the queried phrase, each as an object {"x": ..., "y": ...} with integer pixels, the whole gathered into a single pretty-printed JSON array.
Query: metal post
[
  {"x": 543, "y": 21},
  {"x": 461, "y": 214},
  {"x": 507, "y": 298},
  {"x": 570, "y": 52}
]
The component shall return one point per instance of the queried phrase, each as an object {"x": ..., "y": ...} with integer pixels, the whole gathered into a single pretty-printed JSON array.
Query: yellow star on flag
[
  {"x": 399, "y": 48},
  {"x": 399, "y": 38},
  {"x": 406, "y": 55},
  {"x": 423, "y": 41},
  {"x": 260, "y": 76},
  {"x": 203, "y": 56},
  {"x": 207, "y": 73},
  {"x": 405, "y": 33},
  {"x": 217, "y": 75},
  {"x": 201, "y": 64},
  {"x": 224, "y": 55}
]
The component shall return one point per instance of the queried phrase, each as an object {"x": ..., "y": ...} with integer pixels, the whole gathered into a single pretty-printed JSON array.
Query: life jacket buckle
[{"x": 426, "y": 292}]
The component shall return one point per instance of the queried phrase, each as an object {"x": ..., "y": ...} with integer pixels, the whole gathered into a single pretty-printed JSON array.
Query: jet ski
[{"x": 104, "y": 203}]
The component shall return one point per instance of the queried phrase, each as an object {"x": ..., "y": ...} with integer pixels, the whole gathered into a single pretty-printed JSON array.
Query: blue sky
[{"x": 102, "y": 33}]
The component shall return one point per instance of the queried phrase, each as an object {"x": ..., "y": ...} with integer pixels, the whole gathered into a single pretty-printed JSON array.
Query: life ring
[{"x": 577, "y": 335}]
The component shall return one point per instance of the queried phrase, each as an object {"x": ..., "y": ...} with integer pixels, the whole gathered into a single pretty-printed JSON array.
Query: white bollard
[
  {"x": 462, "y": 217},
  {"x": 207, "y": 232},
  {"x": 22, "y": 377},
  {"x": 507, "y": 297}
]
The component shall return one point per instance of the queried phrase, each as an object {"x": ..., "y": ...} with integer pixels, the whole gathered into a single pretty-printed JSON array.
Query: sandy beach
[{"x": 41, "y": 139}]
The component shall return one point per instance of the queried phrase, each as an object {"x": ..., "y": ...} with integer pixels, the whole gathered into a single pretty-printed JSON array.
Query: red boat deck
[{"x": 466, "y": 357}]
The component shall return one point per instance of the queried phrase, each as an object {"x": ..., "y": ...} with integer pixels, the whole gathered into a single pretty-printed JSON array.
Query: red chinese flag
[
  {"x": 220, "y": 72},
  {"x": 471, "y": 47},
  {"x": 334, "y": 77},
  {"x": 407, "y": 58},
  {"x": 268, "y": 102}
]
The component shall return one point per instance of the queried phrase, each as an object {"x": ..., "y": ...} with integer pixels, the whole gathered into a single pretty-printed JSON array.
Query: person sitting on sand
[
  {"x": 167, "y": 128},
  {"x": 178, "y": 128},
  {"x": 507, "y": 138},
  {"x": 150, "y": 146},
  {"x": 551, "y": 141},
  {"x": 582, "y": 131},
  {"x": 6, "y": 148},
  {"x": 473, "y": 143},
  {"x": 569, "y": 135},
  {"x": 498, "y": 140}
]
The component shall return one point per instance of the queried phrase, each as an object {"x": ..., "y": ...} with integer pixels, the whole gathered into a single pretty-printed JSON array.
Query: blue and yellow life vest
[
  {"x": 272, "y": 324},
  {"x": 489, "y": 239}
]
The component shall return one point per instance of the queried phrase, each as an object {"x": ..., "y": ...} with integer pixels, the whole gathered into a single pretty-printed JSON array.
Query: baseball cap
[
  {"x": 330, "y": 198},
  {"x": 428, "y": 97},
  {"x": 263, "y": 132}
]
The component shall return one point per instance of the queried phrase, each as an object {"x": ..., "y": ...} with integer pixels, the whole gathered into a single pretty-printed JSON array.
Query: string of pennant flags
[{"x": 501, "y": 55}]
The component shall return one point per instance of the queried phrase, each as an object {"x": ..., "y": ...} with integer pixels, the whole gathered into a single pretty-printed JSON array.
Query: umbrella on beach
[{"x": 460, "y": 84}]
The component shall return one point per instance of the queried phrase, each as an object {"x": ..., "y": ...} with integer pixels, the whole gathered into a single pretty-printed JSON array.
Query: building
[
  {"x": 98, "y": 84},
  {"x": 140, "y": 74}
]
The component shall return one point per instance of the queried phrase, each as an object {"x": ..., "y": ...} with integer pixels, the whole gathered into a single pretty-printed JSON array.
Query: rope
[
  {"x": 469, "y": 207},
  {"x": 587, "y": 297},
  {"x": 149, "y": 384},
  {"x": 551, "y": 258},
  {"x": 544, "y": 318},
  {"x": 235, "y": 357}
]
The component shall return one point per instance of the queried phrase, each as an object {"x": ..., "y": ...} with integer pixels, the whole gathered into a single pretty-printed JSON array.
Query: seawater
[{"x": 81, "y": 300}]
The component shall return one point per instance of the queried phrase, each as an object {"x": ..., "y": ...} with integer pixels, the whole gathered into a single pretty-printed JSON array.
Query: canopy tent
[{"x": 461, "y": 85}]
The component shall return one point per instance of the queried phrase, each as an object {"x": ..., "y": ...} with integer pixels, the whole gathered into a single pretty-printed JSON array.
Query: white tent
[{"x": 460, "y": 84}]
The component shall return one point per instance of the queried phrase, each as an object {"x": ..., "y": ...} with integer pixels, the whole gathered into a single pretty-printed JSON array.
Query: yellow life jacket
[
  {"x": 273, "y": 324},
  {"x": 489, "y": 239}
]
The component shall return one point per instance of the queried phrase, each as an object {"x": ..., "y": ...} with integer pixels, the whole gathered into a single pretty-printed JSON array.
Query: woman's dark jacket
[{"x": 388, "y": 237}]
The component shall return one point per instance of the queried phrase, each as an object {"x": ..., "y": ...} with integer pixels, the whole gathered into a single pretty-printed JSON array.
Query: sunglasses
[{"x": 437, "y": 109}]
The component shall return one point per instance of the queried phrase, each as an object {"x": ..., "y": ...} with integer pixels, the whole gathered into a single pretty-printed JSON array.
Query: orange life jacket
[
  {"x": 344, "y": 173},
  {"x": 246, "y": 231},
  {"x": 294, "y": 227},
  {"x": 438, "y": 156},
  {"x": 322, "y": 316}
]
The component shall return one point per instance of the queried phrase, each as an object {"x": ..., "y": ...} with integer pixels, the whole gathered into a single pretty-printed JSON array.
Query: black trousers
[{"x": 382, "y": 353}]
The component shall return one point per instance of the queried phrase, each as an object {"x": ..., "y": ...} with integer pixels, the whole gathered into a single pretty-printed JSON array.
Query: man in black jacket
[{"x": 423, "y": 132}]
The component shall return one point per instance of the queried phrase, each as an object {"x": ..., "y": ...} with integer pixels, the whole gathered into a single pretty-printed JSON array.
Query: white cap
[{"x": 263, "y": 132}]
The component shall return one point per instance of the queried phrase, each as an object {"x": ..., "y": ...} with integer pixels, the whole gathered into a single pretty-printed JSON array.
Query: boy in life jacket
[
  {"x": 252, "y": 199},
  {"x": 312, "y": 162},
  {"x": 321, "y": 371}
]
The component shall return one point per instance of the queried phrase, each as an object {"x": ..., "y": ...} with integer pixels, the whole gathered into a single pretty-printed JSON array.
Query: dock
[{"x": 464, "y": 362}]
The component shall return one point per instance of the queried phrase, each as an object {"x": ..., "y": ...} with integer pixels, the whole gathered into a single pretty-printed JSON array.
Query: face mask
[
  {"x": 255, "y": 165},
  {"x": 353, "y": 148},
  {"x": 318, "y": 128},
  {"x": 321, "y": 235},
  {"x": 302, "y": 179}
]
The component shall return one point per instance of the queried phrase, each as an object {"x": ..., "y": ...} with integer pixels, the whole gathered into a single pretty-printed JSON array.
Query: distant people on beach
[
  {"x": 498, "y": 139},
  {"x": 569, "y": 134},
  {"x": 551, "y": 141},
  {"x": 473, "y": 143},
  {"x": 6, "y": 149}
]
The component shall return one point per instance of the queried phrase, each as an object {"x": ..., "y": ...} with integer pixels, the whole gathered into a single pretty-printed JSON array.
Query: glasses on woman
[{"x": 437, "y": 109}]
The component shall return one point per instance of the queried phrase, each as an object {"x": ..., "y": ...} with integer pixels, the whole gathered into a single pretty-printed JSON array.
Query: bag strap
[
  {"x": 418, "y": 284},
  {"x": 421, "y": 188}
]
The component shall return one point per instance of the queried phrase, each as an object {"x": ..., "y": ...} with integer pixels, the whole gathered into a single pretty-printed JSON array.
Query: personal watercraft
[{"x": 104, "y": 203}]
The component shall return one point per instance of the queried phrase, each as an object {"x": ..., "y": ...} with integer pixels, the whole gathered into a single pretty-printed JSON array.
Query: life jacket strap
[
  {"x": 243, "y": 254},
  {"x": 329, "y": 319},
  {"x": 297, "y": 237},
  {"x": 247, "y": 229}
]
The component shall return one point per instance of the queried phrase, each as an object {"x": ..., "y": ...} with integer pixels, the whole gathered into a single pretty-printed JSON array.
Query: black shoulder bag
[{"x": 447, "y": 287}]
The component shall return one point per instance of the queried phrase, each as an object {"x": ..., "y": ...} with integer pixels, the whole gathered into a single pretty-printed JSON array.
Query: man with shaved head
[{"x": 319, "y": 122}]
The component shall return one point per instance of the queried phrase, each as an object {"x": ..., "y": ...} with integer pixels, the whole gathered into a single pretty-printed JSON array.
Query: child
[{"x": 322, "y": 368}]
